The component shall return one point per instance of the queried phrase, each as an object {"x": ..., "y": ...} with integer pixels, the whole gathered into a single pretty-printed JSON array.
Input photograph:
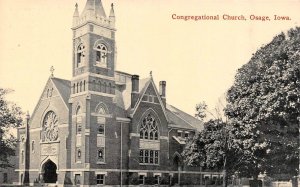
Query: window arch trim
[
  {"x": 149, "y": 132},
  {"x": 101, "y": 109},
  {"x": 103, "y": 42},
  {"x": 80, "y": 51}
]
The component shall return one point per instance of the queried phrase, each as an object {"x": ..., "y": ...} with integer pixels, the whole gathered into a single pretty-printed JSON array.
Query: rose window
[{"x": 50, "y": 127}]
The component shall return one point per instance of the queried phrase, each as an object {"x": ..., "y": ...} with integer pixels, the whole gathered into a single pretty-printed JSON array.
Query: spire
[
  {"x": 112, "y": 12},
  {"x": 75, "y": 15},
  {"x": 89, "y": 7},
  {"x": 93, "y": 11},
  {"x": 99, "y": 8},
  {"x": 112, "y": 17}
]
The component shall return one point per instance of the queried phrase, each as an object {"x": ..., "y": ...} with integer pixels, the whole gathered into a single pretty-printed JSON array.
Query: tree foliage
[
  {"x": 219, "y": 146},
  {"x": 263, "y": 116},
  {"x": 10, "y": 117},
  {"x": 265, "y": 101}
]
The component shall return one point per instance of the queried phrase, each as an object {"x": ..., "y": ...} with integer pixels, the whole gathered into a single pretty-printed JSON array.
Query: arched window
[
  {"x": 104, "y": 88},
  {"x": 101, "y": 55},
  {"x": 101, "y": 109},
  {"x": 49, "y": 131},
  {"x": 22, "y": 157},
  {"x": 80, "y": 87},
  {"x": 99, "y": 86},
  {"x": 78, "y": 120},
  {"x": 80, "y": 55},
  {"x": 32, "y": 146},
  {"x": 109, "y": 88},
  {"x": 77, "y": 87},
  {"x": 100, "y": 155},
  {"x": 84, "y": 85},
  {"x": 94, "y": 85},
  {"x": 149, "y": 128},
  {"x": 79, "y": 154},
  {"x": 74, "y": 88}
]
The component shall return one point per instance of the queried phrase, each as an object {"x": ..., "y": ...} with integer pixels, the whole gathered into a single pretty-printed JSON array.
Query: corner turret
[
  {"x": 112, "y": 17},
  {"x": 75, "y": 15}
]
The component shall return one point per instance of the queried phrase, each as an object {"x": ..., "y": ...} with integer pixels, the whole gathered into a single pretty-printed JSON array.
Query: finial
[
  {"x": 150, "y": 73},
  {"x": 76, "y": 5},
  {"x": 112, "y": 12},
  {"x": 52, "y": 71}
]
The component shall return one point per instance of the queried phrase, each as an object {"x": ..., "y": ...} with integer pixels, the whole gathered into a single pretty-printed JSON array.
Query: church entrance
[{"x": 49, "y": 170}]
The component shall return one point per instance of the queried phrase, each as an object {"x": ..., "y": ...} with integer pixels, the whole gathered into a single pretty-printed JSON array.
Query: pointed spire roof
[
  {"x": 89, "y": 6},
  {"x": 112, "y": 12},
  {"x": 76, "y": 12},
  {"x": 93, "y": 11},
  {"x": 99, "y": 8}
]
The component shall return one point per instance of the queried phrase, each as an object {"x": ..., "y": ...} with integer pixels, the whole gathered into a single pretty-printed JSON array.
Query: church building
[{"x": 104, "y": 127}]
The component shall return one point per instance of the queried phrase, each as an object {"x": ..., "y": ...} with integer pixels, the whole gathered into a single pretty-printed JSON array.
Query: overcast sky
[{"x": 198, "y": 59}]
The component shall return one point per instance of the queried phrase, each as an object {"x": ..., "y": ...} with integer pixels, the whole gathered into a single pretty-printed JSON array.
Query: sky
[{"x": 197, "y": 59}]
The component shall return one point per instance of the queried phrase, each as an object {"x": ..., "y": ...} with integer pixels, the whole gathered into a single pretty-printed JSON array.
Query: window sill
[
  {"x": 50, "y": 142},
  {"x": 147, "y": 164},
  {"x": 78, "y": 162},
  {"x": 101, "y": 163},
  {"x": 101, "y": 65}
]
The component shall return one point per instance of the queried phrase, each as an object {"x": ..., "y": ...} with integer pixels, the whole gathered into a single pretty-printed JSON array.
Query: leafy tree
[
  {"x": 10, "y": 117},
  {"x": 219, "y": 146},
  {"x": 265, "y": 100}
]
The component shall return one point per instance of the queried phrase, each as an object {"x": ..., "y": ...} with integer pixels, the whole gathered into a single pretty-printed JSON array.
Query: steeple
[
  {"x": 93, "y": 12},
  {"x": 89, "y": 6},
  {"x": 99, "y": 10},
  {"x": 94, "y": 51}
]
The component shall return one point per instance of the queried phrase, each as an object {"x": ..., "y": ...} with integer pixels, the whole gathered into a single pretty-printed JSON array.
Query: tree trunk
[
  {"x": 225, "y": 172},
  {"x": 225, "y": 178}
]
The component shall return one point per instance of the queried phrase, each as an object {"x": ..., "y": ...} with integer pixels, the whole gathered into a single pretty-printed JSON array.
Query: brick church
[{"x": 104, "y": 127}]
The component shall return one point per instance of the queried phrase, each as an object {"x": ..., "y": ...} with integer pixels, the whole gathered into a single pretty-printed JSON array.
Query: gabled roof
[
  {"x": 177, "y": 118},
  {"x": 180, "y": 119},
  {"x": 142, "y": 93},
  {"x": 64, "y": 88}
]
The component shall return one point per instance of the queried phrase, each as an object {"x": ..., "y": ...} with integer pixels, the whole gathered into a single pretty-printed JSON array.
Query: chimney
[
  {"x": 162, "y": 91},
  {"x": 134, "y": 90}
]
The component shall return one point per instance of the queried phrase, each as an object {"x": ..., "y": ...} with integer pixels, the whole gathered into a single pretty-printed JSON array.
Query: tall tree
[
  {"x": 265, "y": 98},
  {"x": 220, "y": 146},
  {"x": 10, "y": 117}
]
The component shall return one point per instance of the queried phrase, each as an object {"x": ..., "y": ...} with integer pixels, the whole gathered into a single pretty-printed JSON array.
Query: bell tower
[
  {"x": 93, "y": 49},
  {"x": 92, "y": 83}
]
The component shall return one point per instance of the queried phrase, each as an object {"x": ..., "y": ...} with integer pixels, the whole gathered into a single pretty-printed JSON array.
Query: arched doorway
[{"x": 49, "y": 172}]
